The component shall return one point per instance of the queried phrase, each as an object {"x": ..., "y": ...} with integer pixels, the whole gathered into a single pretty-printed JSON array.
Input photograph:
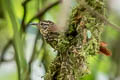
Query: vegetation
[{"x": 76, "y": 46}]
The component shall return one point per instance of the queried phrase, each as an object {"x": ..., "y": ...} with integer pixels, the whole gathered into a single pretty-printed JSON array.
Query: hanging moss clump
[{"x": 81, "y": 40}]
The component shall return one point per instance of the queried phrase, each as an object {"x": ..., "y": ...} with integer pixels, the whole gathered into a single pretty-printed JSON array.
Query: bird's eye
[{"x": 42, "y": 24}]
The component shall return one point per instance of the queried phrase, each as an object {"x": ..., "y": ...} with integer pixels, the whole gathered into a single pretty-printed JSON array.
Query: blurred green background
[{"x": 17, "y": 38}]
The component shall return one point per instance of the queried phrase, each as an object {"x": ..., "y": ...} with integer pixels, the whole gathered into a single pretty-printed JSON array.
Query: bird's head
[{"x": 46, "y": 27}]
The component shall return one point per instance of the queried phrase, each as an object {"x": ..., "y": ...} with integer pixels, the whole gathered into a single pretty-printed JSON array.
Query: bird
[{"x": 49, "y": 31}]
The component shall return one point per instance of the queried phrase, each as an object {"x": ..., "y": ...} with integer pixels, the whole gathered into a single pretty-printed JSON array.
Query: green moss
[{"x": 78, "y": 42}]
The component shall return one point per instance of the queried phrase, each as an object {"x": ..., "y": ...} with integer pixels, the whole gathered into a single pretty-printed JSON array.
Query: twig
[
  {"x": 42, "y": 12},
  {"x": 17, "y": 62},
  {"x": 5, "y": 48},
  {"x": 6, "y": 61},
  {"x": 34, "y": 50},
  {"x": 24, "y": 4},
  {"x": 32, "y": 57},
  {"x": 107, "y": 22}
]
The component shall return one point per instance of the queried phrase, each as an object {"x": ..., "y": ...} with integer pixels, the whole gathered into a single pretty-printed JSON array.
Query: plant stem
[{"x": 18, "y": 42}]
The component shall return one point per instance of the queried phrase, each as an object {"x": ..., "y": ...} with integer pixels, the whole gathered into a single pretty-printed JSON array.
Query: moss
[{"x": 80, "y": 40}]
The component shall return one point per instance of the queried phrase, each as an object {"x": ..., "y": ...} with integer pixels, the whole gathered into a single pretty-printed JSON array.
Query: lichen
[{"x": 81, "y": 40}]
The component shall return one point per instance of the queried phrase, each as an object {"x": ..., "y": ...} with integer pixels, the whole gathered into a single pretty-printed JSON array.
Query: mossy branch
[{"x": 78, "y": 42}]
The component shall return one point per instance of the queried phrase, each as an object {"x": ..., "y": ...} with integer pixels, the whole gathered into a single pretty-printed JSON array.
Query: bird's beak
[{"x": 37, "y": 24}]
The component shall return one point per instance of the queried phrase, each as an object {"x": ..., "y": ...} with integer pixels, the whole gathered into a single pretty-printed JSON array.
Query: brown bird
[{"x": 49, "y": 31}]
